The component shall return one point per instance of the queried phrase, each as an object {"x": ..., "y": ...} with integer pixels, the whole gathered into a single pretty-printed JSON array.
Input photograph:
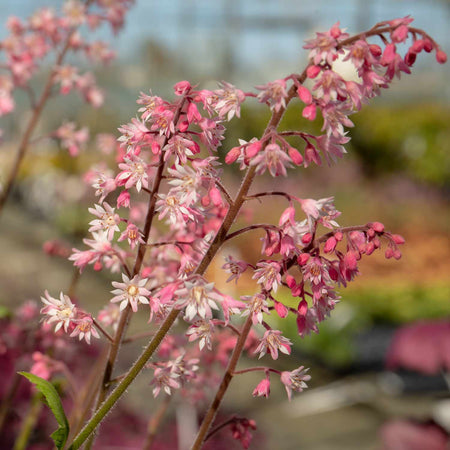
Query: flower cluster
[
  {"x": 55, "y": 33},
  {"x": 164, "y": 212}
]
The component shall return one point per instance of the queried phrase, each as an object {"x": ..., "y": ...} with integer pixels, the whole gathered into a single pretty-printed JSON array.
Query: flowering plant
[{"x": 169, "y": 206}]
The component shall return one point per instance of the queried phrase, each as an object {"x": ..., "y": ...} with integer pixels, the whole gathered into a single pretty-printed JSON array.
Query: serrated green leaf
[{"x": 54, "y": 403}]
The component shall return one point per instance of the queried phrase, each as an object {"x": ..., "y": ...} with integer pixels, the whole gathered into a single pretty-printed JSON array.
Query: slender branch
[
  {"x": 29, "y": 422},
  {"x": 256, "y": 369},
  {"x": 226, "y": 325},
  {"x": 171, "y": 317},
  {"x": 264, "y": 194},
  {"x": 224, "y": 191},
  {"x": 220, "y": 426},
  {"x": 137, "y": 336},
  {"x": 102, "y": 330},
  {"x": 226, "y": 380},
  {"x": 252, "y": 227},
  {"x": 154, "y": 423},
  {"x": 8, "y": 398},
  {"x": 343, "y": 230}
]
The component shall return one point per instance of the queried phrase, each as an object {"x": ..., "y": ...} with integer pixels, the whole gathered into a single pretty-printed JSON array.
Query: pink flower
[
  {"x": 272, "y": 158},
  {"x": 241, "y": 430},
  {"x": 110, "y": 315},
  {"x": 257, "y": 305},
  {"x": 263, "y": 388},
  {"x": 165, "y": 379},
  {"x": 180, "y": 147},
  {"x": 323, "y": 47},
  {"x": 71, "y": 139},
  {"x": 150, "y": 103},
  {"x": 273, "y": 341},
  {"x": 130, "y": 292},
  {"x": 107, "y": 221},
  {"x": 295, "y": 380},
  {"x": 201, "y": 329},
  {"x": 133, "y": 235},
  {"x": 274, "y": 93},
  {"x": 75, "y": 12},
  {"x": 268, "y": 275},
  {"x": 234, "y": 267},
  {"x": 177, "y": 213},
  {"x": 134, "y": 173},
  {"x": 85, "y": 329},
  {"x": 229, "y": 100},
  {"x": 61, "y": 311},
  {"x": 199, "y": 298},
  {"x": 66, "y": 75}
]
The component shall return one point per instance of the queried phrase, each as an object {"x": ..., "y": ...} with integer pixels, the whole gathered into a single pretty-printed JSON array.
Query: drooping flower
[
  {"x": 295, "y": 380},
  {"x": 201, "y": 329},
  {"x": 273, "y": 159},
  {"x": 229, "y": 100},
  {"x": 85, "y": 328},
  {"x": 263, "y": 388},
  {"x": 273, "y": 342},
  {"x": 130, "y": 292},
  {"x": 268, "y": 274},
  {"x": 273, "y": 93}
]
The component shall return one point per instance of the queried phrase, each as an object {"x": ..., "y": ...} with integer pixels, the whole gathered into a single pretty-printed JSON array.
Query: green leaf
[{"x": 54, "y": 403}]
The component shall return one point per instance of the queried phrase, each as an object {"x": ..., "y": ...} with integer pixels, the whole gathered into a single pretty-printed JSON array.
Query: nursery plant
[{"x": 164, "y": 212}]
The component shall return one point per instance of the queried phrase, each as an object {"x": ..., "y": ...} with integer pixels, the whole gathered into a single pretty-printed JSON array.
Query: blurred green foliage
[{"x": 412, "y": 139}]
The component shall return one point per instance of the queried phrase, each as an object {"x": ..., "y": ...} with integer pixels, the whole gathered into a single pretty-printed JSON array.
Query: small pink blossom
[
  {"x": 199, "y": 298},
  {"x": 274, "y": 93},
  {"x": 61, "y": 311},
  {"x": 273, "y": 159},
  {"x": 229, "y": 100},
  {"x": 165, "y": 379},
  {"x": 273, "y": 342},
  {"x": 85, "y": 329},
  {"x": 295, "y": 380},
  {"x": 134, "y": 172},
  {"x": 257, "y": 305},
  {"x": 235, "y": 267},
  {"x": 107, "y": 221},
  {"x": 133, "y": 235},
  {"x": 268, "y": 274},
  {"x": 263, "y": 388},
  {"x": 130, "y": 292},
  {"x": 201, "y": 329},
  {"x": 71, "y": 139}
]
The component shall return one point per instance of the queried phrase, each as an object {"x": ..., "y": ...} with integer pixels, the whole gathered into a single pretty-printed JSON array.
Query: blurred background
[{"x": 396, "y": 172}]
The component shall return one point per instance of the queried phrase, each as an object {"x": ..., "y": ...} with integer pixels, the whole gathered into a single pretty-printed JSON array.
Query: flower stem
[
  {"x": 170, "y": 319},
  {"x": 154, "y": 423},
  {"x": 29, "y": 422},
  {"x": 226, "y": 380}
]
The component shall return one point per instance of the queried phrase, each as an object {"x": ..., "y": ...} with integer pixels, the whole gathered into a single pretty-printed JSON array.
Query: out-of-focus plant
[{"x": 44, "y": 43}]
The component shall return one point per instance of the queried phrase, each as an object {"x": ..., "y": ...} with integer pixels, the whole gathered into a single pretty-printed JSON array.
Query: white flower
[
  {"x": 62, "y": 311},
  {"x": 130, "y": 291}
]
